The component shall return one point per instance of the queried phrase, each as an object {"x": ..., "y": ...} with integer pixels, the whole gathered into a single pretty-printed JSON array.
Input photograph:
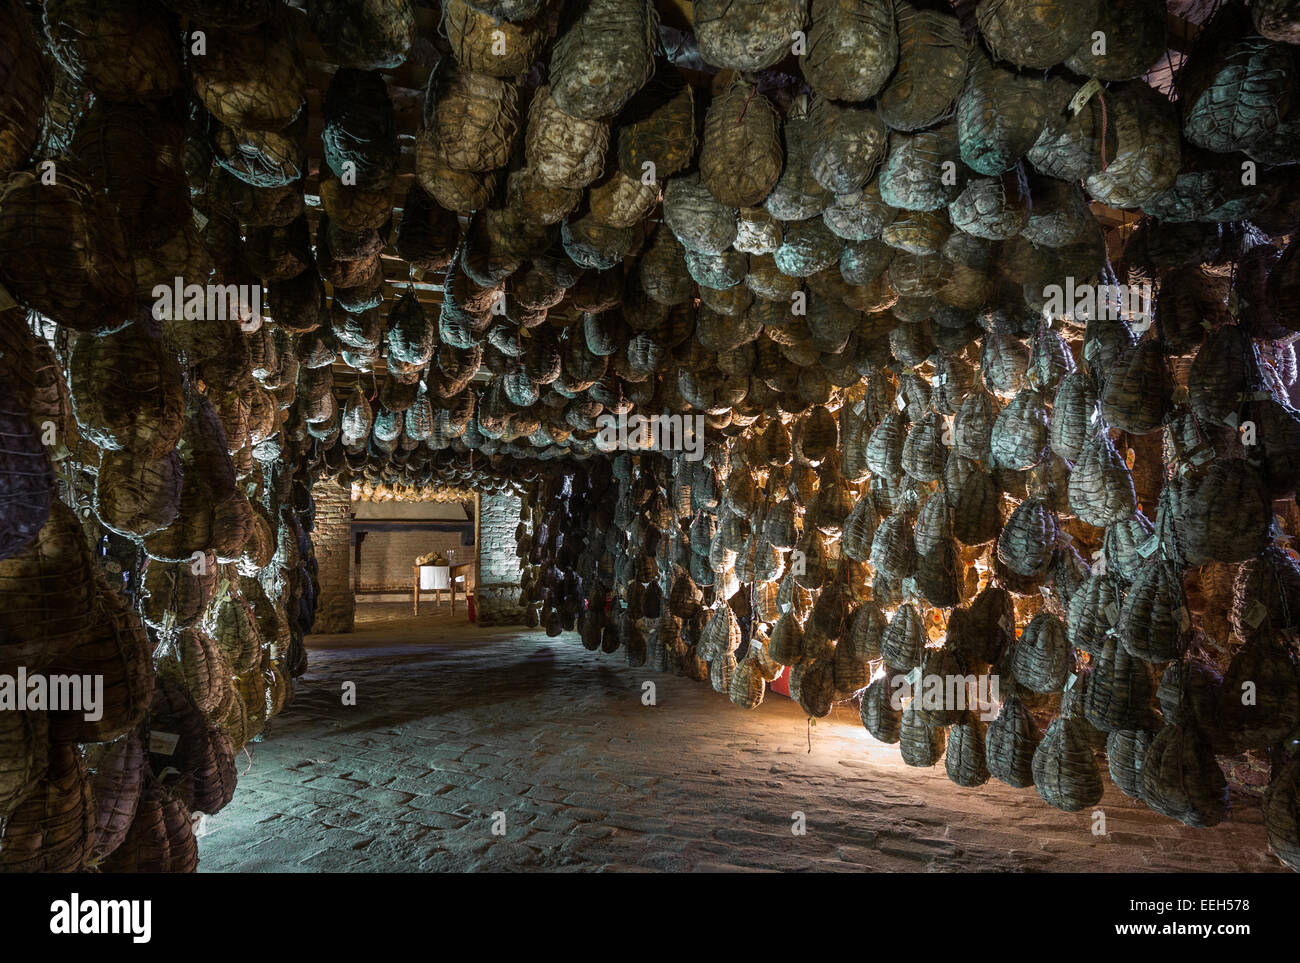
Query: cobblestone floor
[{"x": 455, "y": 723}]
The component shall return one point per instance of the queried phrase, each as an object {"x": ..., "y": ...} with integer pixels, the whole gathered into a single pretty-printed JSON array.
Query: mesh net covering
[
  {"x": 20, "y": 87},
  {"x": 252, "y": 79},
  {"x": 852, "y": 48},
  {"x": 747, "y": 34},
  {"x": 604, "y": 54},
  {"x": 121, "y": 50},
  {"x": 71, "y": 250},
  {"x": 26, "y": 480},
  {"x": 53, "y": 828},
  {"x": 932, "y": 62},
  {"x": 364, "y": 34},
  {"x": 740, "y": 157}
]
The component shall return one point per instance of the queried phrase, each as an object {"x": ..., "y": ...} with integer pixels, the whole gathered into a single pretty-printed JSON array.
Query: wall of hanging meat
[{"x": 983, "y": 312}]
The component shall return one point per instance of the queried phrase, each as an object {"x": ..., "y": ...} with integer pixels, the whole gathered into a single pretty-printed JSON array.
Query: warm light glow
[{"x": 384, "y": 492}]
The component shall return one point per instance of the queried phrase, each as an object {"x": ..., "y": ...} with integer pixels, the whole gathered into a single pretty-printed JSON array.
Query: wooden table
[{"x": 460, "y": 568}]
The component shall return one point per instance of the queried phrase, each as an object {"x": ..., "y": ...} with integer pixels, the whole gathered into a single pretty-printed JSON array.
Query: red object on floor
[
  {"x": 781, "y": 683},
  {"x": 473, "y": 613}
]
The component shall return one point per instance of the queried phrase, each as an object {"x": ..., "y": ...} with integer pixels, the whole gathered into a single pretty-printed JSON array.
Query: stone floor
[{"x": 458, "y": 731}]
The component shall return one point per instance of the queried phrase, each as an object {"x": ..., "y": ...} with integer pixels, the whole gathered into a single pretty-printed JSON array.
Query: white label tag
[
  {"x": 900, "y": 402},
  {"x": 1070, "y": 681},
  {"x": 914, "y": 676},
  {"x": 1083, "y": 95},
  {"x": 1149, "y": 546},
  {"x": 163, "y": 743},
  {"x": 200, "y": 220},
  {"x": 1256, "y": 614},
  {"x": 1111, "y": 611},
  {"x": 1231, "y": 420},
  {"x": 860, "y": 407}
]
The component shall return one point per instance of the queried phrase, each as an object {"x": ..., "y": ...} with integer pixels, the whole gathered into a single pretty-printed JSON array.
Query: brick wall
[
  {"x": 498, "y": 595},
  {"x": 387, "y": 557},
  {"x": 336, "y": 607}
]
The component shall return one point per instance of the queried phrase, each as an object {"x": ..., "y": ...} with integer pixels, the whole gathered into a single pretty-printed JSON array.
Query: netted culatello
[
  {"x": 999, "y": 116},
  {"x": 119, "y": 50},
  {"x": 252, "y": 80},
  {"x": 603, "y": 55},
  {"x": 932, "y": 61},
  {"x": 740, "y": 156},
  {"x": 1036, "y": 33},
  {"x": 126, "y": 390},
  {"x": 360, "y": 132},
  {"x": 852, "y": 48},
  {"x": 20, "y": 88},
  {"x": 850, "y": 149},
  {"x": 491, "y": 44},
  {"x": 1065, "y": 769},
  {"x": 367, "y": 35},
  {"x": 471, "y": 118},
  {"x": 1237, "y": 86},
  {"x": 63, "y": 252},
  {"x": 26, "y": 478},
  {"x": 747, "y": 34},
  {"x": 52, "y": 829}
]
